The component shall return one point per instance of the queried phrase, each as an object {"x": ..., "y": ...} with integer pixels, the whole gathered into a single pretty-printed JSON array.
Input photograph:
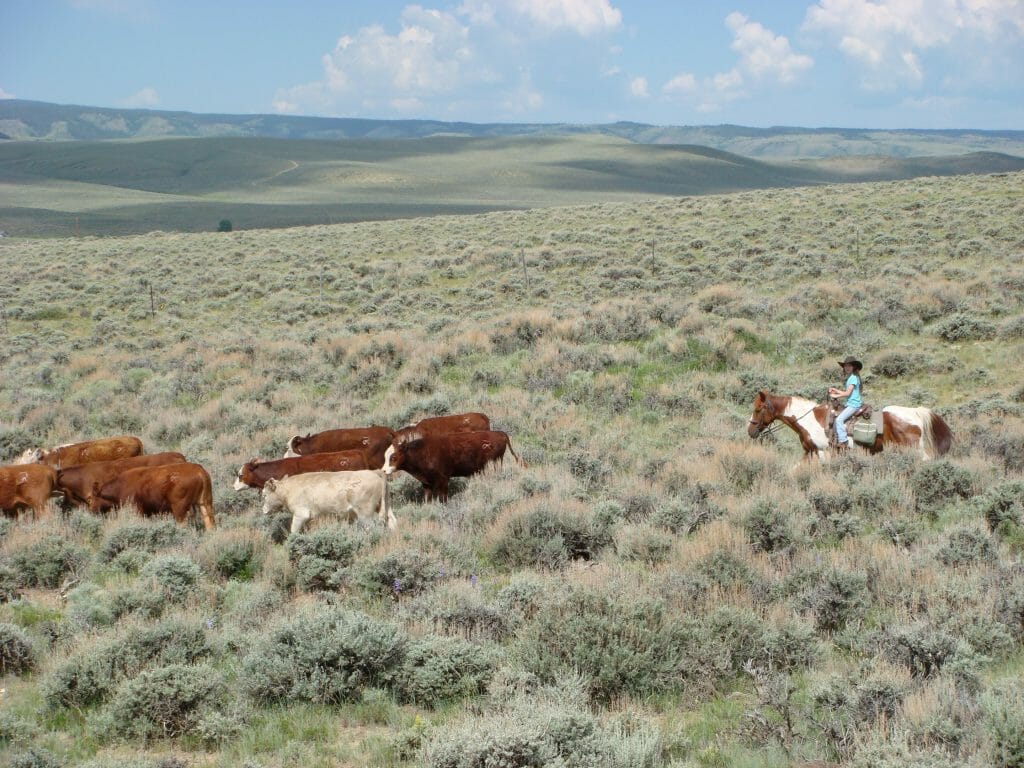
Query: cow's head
[
  {"x": 271, "y": 500},
  {"x": 246, "y": 476},
  {"x": 396, "y": 454},
  {"x": 295, "y": 446},
  {"x": 97, "y": 501}
]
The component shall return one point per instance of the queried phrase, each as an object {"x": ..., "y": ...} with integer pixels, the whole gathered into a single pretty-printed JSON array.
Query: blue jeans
[{"x": 847, "y": 412}]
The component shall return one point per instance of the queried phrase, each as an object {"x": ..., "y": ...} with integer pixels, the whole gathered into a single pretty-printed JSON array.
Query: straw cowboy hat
[{"x": 851, "y": 360}]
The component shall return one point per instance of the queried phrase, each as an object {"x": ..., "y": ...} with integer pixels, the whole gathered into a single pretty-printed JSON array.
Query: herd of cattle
[{"x": 340, "y": 471}]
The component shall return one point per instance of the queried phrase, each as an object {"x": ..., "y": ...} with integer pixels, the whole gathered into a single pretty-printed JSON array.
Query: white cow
[{"x": 357, "y": 495}]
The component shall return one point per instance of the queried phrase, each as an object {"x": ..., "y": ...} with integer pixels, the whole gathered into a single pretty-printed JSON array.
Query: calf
[
  {"x": 360, "y": 495},
  {"x": 77, "y": 482},
  {"x": 26, "y": 486},
  {"x": 254, "y": 474},
  {"x": 73, "y": 454},
  {"x": 372, "y": 441},
  {"x": 435, "y": 459},
  {"x": 174, "y": 488}
]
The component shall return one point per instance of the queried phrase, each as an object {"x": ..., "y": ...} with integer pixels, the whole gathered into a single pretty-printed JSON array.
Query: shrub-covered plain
[{"x": 652, "y": 588}]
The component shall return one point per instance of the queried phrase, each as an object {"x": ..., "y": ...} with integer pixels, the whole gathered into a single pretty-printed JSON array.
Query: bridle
[
  {"x": 776, "y": 422},
  {"x": 772, "y": 425}
]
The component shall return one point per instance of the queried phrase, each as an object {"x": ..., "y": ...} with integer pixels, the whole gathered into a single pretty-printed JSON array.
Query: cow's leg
[
  {"x": 299, "y": 519},
  {"x": 441, "y": 490}
]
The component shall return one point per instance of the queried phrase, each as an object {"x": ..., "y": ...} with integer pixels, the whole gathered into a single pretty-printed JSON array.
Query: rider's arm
[{"x": 836, "y": 392}]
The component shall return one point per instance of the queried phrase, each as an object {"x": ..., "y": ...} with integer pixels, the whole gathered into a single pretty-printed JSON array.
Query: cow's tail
[
  {"x": 206, "y": 502},
  {"x": 936, "y": 436},
  {"x": 519, "y": 461},
  {"x": 386, "y": 515}
]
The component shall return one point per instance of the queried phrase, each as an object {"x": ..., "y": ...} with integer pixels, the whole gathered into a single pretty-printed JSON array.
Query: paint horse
[{"x": 918, "y": 428}]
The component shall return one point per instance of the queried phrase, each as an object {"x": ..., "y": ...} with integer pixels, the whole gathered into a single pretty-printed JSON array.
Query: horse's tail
[{"x": 936, "y": 436}]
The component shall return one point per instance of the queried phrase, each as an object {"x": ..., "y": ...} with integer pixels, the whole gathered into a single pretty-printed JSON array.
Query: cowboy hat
[{"x": 851, "y": 360}]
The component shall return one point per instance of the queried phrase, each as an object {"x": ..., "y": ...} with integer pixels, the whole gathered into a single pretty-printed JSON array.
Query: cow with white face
[{"x": 361, "y": 495}]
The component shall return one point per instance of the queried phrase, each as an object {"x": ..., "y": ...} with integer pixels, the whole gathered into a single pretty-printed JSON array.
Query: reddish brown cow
[
  {"x": 77, "y": 482},
  {"x": 435, "y": 459},
  {"x": 73, "y": 454},
  {"x": 456, "y": 422},
  {"x": 254, "y": 474},
  {"x": 174, "y": 488},
  {"x": 372, "y": 441},
  {"x": 26, "y": 486}
]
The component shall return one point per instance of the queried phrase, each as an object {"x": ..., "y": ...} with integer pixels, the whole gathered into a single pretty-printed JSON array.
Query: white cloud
[
  {"x": 584, "y": 17},
  {"x": 431, "y": 54},
  {"x": 763, "y": 54},
  {"x": 638, "y": 87},
  {"x": 681, "y": 83},
  {"x": 5, "y": 95},
  {"x": 145, "y": 97},
  {"x": 764, "y": 59},
  {"x": 887, "y": 37}
]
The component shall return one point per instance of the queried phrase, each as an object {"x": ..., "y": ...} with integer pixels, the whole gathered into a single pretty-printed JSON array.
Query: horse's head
[{"x": 763, "y": 415}]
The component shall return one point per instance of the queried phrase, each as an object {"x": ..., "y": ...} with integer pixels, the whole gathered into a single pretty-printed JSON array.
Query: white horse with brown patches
[{"x": 918, "y": 428}]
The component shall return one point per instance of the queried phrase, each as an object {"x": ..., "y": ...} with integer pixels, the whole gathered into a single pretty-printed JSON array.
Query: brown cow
[
  {"x": 73, "y": 454},
  {"x": 174, "y": 488},
  {"x": 435, "y": 459},
  {"x": 456, "y": 422},
  {"x": 76, "y": 482},
  {"x": 254, "y": 474},
  {"x": 26, "y": 486},
  {"x": 372, "y": 441}
]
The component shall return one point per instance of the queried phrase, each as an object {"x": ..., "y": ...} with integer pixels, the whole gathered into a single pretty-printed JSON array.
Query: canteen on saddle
[{"x": 864, "y": 426}]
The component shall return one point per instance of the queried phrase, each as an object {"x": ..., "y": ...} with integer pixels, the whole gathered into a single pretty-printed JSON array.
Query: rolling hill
[
  {"x": 125, "y": 187},
  {"x": 32, "y": 120}
]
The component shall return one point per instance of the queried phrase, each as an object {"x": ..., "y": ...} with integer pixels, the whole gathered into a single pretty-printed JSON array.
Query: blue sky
[{"x": 848, "y": 63}]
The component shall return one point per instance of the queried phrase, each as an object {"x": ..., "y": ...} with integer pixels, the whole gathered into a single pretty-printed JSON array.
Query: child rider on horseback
[{"x": 851, "y": 367}]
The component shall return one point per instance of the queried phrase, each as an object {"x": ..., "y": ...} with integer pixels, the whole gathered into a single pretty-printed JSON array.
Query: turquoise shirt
[{"x": 853, "y": 401}]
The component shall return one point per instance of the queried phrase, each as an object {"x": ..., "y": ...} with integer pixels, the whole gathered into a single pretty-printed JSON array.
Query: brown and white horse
[{"x": 918, "y": 428}]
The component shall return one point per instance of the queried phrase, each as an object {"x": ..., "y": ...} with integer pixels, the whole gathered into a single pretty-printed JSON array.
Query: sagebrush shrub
[
  {"x": 45, "y": 563},
  {"x": 546, "y": 536},
  {"x": 233, "y": 556},
  {"x": 167, "y": 702},
  {"x": 1004, "y": 720},
  {"x": 323, "y": 655},
  {"x": 922, "y": 647},
  {"x": 687, "y": 511},
  {"x": 91, "y": 674},
  {"x": 146, "y": 536},
  {"x": 963, "y": 326},
  {"x": 335, "y": 543},
  {"x": 1002, "y": 504},
  {"x": 936, "y": 483},
  {"x": 17, "y": 652},
  {"x": 840, "y": 598},
  {"x": 768, "y": 528},
  {"x": 402, "y": 572},
  {"x": 534, "y": 731},
  {"x": 967, "y": 546},
  {"x": 438, "y": 669},
  {"x": 178, "y": 577},
  {"x": 619, "y": 646}
]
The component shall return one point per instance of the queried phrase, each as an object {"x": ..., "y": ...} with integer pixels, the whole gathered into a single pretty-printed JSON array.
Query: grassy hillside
[
  {"x": 33, "y": 120},
  {"x": 653, "y": 588},
  {"x": 104, "y": 188}
]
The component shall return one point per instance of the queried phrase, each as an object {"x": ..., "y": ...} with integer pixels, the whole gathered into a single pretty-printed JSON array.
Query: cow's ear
[{"x": 270, "y": 485}]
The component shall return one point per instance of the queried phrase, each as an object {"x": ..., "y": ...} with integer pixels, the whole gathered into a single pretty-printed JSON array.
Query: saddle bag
[{"x": 864, "y": 432}]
